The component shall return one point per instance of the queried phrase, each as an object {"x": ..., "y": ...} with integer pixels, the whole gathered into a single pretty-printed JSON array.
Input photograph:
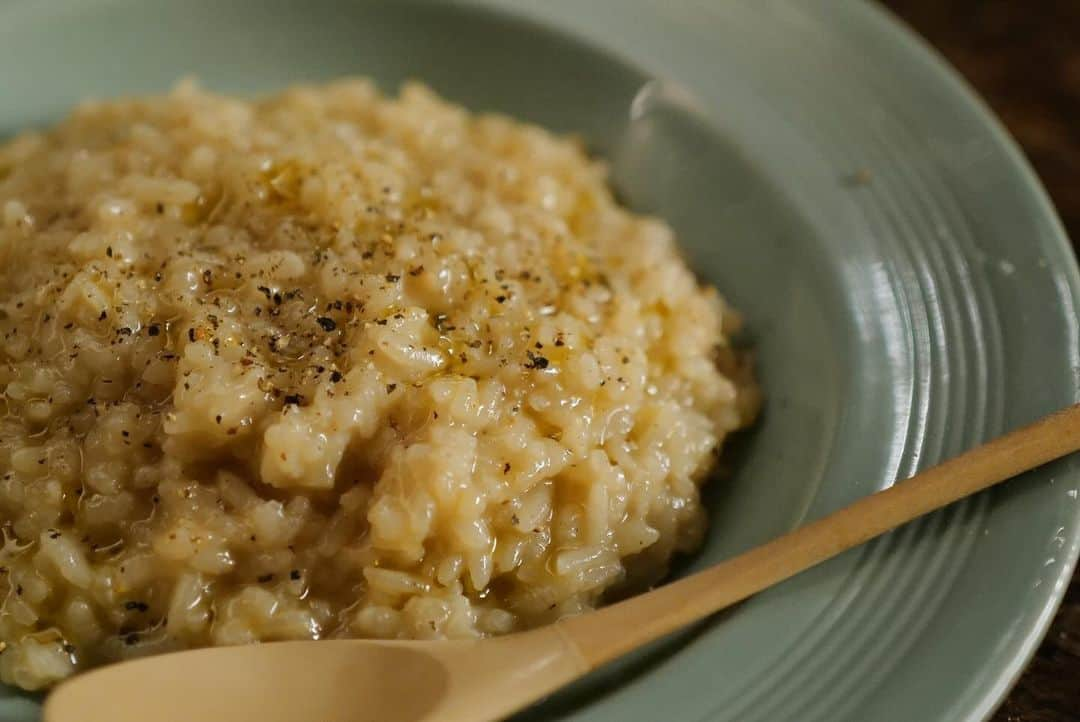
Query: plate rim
[{"x": 1029, "y": 182}]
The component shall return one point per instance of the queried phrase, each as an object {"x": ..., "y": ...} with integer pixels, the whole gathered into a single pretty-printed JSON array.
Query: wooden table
[{"x": 1023, "y": 56}]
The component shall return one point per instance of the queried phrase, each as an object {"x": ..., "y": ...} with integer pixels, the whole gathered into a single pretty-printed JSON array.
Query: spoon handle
[{"x": 612, "y": 631}]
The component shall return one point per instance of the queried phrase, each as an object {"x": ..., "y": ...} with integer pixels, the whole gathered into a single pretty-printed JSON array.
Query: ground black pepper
[{"x": 535, "y": 361}]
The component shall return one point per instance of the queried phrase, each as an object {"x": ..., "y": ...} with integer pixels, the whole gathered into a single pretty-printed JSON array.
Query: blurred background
[{"x": 1023, "y": 57}]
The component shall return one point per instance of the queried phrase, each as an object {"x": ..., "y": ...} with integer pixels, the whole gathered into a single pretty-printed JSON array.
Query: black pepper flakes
[
  {"x": 294, "y": 399},
  {"x": 263, "y": 579},
  {"x": 535, "y": 361},
  {"x": 335, "y": 376},
  {"x": 328, "y": 324},
  {"x": 153, "y": 329},
  {"x": 392, "y": 278},
  {"x": 294, "y": 574},
  {"x": 390, "y": 388},
  {"x": 136, "y": 606}
]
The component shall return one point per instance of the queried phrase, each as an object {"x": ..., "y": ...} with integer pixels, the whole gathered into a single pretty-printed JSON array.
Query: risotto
[{"x": 330, "y": 364}]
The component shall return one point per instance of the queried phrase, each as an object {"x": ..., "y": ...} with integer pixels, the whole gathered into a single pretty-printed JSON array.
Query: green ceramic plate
[{"x": 909, "y": 287}]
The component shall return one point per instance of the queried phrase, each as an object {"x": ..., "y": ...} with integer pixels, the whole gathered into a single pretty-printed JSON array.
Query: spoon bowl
[{"x": 340, "y": 680}]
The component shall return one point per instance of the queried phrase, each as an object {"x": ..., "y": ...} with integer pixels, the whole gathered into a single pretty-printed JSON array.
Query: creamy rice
[{"x": 331, "y": 364}]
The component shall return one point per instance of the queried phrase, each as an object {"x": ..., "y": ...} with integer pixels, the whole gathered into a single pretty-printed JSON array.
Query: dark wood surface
[{"x": 1023, "y": 57}]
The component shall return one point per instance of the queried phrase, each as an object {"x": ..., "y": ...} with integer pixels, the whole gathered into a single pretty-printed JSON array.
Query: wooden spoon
[{"x": 390, "y": 681}]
